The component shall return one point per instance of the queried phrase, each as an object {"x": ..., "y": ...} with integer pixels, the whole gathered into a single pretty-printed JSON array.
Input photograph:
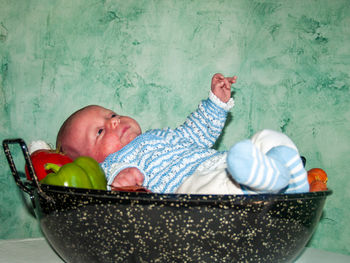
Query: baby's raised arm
[
  {"x": 204, "y": 126},
  {"x": 221, "y": 86}
]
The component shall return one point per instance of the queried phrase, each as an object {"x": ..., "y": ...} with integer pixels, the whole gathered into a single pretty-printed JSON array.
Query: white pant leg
[
  {"x": 210, "y": 179},
  {"x": 267, "y": 139},
  {"x": 217, "y": 180}
]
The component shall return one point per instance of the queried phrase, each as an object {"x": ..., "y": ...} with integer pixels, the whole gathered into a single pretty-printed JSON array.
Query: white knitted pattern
[{"x": 169, "y": 156}]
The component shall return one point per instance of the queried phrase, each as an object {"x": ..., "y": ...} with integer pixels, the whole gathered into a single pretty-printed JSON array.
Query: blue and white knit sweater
[{"x": 166, "y": 157}]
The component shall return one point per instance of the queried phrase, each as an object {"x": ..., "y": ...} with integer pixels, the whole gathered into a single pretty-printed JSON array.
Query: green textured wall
[{"x": 154, "y": 60}]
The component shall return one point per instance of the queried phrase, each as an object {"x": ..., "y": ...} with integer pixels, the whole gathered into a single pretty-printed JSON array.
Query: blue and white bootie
[
  {"x": 255, "y": 170},
  {"x": 298, "y": 182}
]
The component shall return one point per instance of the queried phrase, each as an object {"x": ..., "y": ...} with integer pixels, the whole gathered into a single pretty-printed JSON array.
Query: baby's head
[{"x": 96, "y": 132}]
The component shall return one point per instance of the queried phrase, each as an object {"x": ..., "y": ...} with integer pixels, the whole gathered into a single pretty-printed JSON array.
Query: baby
[{"x": 181, "y": 160}]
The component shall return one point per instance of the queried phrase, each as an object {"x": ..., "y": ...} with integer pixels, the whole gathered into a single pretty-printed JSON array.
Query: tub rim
[{"x": 183, "y": 198}]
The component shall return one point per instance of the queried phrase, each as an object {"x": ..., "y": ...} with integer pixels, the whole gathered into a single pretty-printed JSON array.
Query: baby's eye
[
  {"x": 99, "y": 132},
  {"x": 114, "y": 115}
]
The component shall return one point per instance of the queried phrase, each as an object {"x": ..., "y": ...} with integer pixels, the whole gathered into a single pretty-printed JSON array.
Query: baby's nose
[{"x": 114, "y": 122}]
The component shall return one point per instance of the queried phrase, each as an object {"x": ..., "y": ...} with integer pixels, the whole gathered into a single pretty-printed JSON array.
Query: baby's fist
[
  {"x": 221, "y": 86},
  {"x": 128, "y": 177}
]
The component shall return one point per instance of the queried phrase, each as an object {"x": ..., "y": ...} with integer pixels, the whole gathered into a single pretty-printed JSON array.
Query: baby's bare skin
[
  {"x": 97, "y": 132},
  {"x": 221, "y": 87}
]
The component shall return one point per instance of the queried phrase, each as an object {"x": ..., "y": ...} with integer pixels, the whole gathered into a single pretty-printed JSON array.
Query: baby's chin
[{"x": 128, "y": 138}]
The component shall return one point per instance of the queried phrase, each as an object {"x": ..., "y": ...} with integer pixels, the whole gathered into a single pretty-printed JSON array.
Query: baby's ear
[{"x": 38, "y": 145}]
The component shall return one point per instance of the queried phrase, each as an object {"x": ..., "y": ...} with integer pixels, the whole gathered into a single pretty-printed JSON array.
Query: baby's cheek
[
  {"x": 112, "y": 143},
  {"x": 128, "y": 139},
  {"x": 103, "y": 150}
]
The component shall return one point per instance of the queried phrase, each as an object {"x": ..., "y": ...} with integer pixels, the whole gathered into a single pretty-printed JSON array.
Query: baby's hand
[
  {"x": 221, "y": 86},
  {"x": 128, "y": 177}
]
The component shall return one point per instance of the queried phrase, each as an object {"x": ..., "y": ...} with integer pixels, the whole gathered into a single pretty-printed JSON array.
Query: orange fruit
[
  {"x": 318, "y": 186},
  {"x": 317, "y": 174}
]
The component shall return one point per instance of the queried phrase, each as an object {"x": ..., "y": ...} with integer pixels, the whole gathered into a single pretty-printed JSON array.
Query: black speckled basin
[{"x": 102, "y": 226}]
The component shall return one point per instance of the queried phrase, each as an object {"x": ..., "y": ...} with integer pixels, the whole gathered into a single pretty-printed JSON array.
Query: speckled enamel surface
[{"x": 98, "y": 226}]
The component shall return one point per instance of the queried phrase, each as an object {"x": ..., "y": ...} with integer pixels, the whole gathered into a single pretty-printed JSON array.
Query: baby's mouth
[{"x": 124, "y": 130}]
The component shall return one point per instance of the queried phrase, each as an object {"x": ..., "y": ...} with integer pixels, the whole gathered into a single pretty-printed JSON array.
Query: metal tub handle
[{"x": 30, "y": 167}]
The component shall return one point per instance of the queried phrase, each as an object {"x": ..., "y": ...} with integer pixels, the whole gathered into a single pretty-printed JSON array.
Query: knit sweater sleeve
[{"x": 204, "y": 126}]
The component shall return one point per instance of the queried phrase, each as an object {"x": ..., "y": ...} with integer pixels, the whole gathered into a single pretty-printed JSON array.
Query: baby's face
[{"x": 98, "y": 132}]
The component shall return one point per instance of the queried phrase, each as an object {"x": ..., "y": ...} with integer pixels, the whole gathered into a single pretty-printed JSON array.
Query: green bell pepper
[{"x": 83, "y": 172}]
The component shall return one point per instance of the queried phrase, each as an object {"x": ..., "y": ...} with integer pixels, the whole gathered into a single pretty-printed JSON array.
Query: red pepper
[{"x": 41, "y": 157}]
